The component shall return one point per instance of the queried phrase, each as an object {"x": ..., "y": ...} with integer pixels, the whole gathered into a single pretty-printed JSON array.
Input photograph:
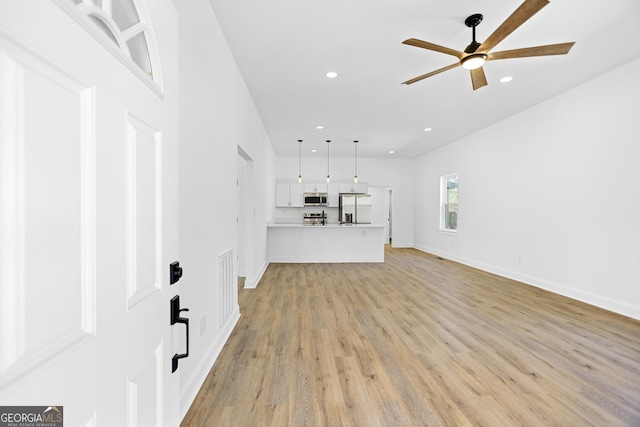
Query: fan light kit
[
  {"x": 475, "y": 55},
  {"x": 474, "y": 61}
]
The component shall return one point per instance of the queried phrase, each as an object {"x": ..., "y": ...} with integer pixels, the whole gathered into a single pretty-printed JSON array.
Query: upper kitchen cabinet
[
  {"x": 333, "y": 195},
  {"x": 289, "y": 195},
  {"x": 315, "y": 188},
  {"x": 354, "y": 188}
]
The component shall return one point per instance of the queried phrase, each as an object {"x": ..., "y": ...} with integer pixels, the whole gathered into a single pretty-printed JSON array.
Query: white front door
[{"x": 88, "y": 215}]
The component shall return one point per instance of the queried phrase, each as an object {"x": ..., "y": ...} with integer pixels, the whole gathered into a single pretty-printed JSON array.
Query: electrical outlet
[{"x": 203, "y": 324}]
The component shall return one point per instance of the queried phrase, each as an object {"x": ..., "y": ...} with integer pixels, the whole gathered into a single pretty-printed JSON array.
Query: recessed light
[
  {"x": 428, "y": 129},
  {"x": 506, "y": 79},
  {"x": 314, "y": 151},
  {"x": 332, "y": 74},
  {"x": 319, "y": 127},
  {"x": 392, "y": 152}
]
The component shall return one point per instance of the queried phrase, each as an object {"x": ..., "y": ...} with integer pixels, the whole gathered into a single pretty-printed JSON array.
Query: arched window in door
[{"x": 126, "y": 25}]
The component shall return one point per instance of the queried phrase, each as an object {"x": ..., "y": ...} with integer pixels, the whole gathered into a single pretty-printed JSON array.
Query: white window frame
[
  {"x": 444, "y": 204},
  {"x": 84, "y": 9}
]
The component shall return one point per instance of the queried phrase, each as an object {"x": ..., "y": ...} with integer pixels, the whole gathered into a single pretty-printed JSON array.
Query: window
[
  {"x": 123, "y": 24},
  {"x": 449, "y": 202}
]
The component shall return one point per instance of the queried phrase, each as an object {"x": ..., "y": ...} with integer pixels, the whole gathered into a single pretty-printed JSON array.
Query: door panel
[
  {"x": 144, "y": 391},
  {"x": 88, "y": 219},
  {"x": 46, "y": 261},
  {"x": 47, "y": 269},
  {"x": 144, "y": 210}
]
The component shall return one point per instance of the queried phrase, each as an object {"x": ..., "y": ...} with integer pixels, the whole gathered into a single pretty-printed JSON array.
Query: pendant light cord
[
  {"x": 299, "y": 160},
  {"x": 328, "y": 141},
  {"x": 355, "y": 177}
]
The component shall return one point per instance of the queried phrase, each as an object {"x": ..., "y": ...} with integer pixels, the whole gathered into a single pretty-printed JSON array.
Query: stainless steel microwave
[{"x": 315, "y": 199}]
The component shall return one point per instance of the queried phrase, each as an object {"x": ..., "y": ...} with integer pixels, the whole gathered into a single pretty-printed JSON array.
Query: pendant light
[
  {"x": 355, "y": 175},
  {"x": 299, "y": 161},
  {"x": 328, "y": 177}
]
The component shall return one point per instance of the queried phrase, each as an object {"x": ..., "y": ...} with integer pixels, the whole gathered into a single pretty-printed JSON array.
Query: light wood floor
[{"x": 418, "y": 341}]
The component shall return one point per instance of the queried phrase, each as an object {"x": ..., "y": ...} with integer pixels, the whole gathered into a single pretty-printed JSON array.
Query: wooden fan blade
[
  {"x": 434, "y": 47},
  {"x": 550, "y": 49},
  {"x": 433, "y": 73},
  {"x": 478, "y": 79},
  {"x": 517, "y": 18}
]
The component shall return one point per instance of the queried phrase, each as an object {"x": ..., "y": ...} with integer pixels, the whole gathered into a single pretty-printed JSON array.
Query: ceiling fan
[{"x": 477, "y": 53}]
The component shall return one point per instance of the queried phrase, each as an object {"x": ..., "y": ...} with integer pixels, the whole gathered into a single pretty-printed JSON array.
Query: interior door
[{"x": 88, "y": 218}]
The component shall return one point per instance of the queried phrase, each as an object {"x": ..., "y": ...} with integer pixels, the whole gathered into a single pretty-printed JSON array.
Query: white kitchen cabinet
[
  {"x": 315, "y": 187},
  {"x": 354, "y": 188},
  {"x": 329, "y": 243},
  {"x": 282, "y": 195},
  {"x": 289, "y": 195},
  {"x": 296, "y": 195},
  {"x": 333, "y": 195}
]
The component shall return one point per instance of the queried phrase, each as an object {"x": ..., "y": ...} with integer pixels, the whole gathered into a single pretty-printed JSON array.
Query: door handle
[{"x": 175, "y": 318}]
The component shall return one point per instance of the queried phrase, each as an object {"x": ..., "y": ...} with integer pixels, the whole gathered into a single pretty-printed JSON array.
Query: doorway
[
  {"x": 244, "y": 218},
  {"x": 381, "y": 208},
  {"x": 390, "y": 216}
]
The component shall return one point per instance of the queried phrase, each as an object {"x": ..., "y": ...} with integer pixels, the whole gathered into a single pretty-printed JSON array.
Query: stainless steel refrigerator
[{"x": 354, "y": 208}]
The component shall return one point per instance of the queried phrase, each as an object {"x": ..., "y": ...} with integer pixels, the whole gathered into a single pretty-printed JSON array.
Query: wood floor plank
[
  {"x": 418, "y": 341},
  {"x": 359, "y": 406},
  {"x": 304, "y": 409},
  {"x": 326, "y": 374}
]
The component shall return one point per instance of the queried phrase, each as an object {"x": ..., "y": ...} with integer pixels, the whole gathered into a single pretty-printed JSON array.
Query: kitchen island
[{"x": 326, "y": 243}]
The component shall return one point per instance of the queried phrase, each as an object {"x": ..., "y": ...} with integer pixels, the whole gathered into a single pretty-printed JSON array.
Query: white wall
[
  {"x": 550, "y": 196},
  {"x": 393, "y": 173},
  {"x": 217, "y": 116}
]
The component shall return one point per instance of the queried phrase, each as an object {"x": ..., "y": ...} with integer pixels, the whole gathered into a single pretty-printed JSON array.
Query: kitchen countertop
[{"x": 332, "y": 225}]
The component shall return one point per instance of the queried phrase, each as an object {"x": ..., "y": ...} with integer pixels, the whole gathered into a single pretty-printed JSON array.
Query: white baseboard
[
  {"x": 395, "y": 244},
  {"x": 190, "y": 390},
  {"x": 600, "y": 301},
  {"x": 253, "y": 283}
]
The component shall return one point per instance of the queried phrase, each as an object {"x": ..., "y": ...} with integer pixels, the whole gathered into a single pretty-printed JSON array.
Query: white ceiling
[{"x": 283, "y": 49}]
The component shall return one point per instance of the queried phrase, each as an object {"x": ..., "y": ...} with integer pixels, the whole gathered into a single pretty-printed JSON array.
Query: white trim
[
  {"x": 620, "y": 307},
  {"x": 155, "y": 85},
  {"x": 88, "y": 210},
  {"x": 192, "y": 386},
  {"x": 448, "y": 232},
  {"x": 133, "y": 31},
  {"x": 395, "y": 244},
  {"x": 253, "y": 283},
  {"x": 152, "y": 44},
  {"x": 96, "y": 12}
]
